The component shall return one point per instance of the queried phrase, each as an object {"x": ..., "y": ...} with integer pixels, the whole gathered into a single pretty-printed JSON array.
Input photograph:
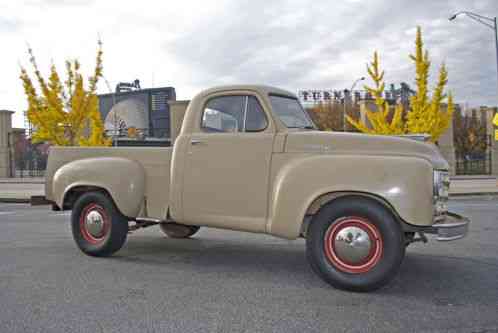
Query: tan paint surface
[
  {"x": 299, "y": 179},
  {"x": 177, "y": 113},
  {"x": 116, "y": 170},
  {"x": 226, "y": 180},
  {"x": 259, "y": 182},
  {"x": 128, "y": 195}
]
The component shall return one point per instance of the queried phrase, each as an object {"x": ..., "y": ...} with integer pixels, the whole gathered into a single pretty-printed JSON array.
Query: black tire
[
  {"x": 115, "y": 225},
  {"x": 379, "y": 267},
  {"x": 174, "y": 230}
]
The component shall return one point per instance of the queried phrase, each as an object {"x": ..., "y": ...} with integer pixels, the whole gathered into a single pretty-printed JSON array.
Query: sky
[{"x": 193, "y": 45}]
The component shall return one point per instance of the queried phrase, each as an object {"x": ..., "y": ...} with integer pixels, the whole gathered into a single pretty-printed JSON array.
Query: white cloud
[{"x": 294, "y": 44}]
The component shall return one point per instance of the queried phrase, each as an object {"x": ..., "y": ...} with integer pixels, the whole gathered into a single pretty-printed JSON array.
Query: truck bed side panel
[{"x": 155, "y": 161}]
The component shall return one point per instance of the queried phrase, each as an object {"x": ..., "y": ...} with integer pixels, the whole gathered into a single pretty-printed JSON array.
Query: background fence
[
  {"x": 477, "y": 161},
  {"x": 474, "y": 167},
  {"x": 26, "y": 159}
]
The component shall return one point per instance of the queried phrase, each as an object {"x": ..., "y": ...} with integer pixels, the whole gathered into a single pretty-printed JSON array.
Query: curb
[
  {"x": 480, "y": 195},
  {"x": 14, "y": 200},
  {"x": 22, "y": 181},
  {"x": 18, "y": 182},
  {"x": 472, "y": 193}
]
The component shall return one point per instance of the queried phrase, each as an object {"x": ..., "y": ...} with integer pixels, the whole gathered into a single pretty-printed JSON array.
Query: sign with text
[
  {"x": 332, "y": 95},
  {"x": 316, "y": 96}
]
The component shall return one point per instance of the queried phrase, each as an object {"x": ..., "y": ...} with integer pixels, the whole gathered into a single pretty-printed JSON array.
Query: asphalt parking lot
[{"x": 223, "y": 281}]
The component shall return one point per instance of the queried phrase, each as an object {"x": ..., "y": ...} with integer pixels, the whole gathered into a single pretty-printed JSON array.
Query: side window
[
  {"x": 224, "y": 114},
  {"x": 255, "y": 117}
]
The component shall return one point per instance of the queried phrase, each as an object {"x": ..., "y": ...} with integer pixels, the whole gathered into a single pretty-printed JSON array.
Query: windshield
[{"x": 290, "y": 112}]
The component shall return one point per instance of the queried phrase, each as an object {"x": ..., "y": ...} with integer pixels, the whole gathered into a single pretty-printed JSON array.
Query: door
[{"x": 228, "y": 165}]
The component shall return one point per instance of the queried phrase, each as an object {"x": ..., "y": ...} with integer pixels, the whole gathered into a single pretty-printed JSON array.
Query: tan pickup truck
[{"x": 249, "y": 158}]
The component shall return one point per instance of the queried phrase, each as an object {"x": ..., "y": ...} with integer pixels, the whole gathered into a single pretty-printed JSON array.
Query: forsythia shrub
[
  {"x": 65, "y": 113},
  {"x": 425, "y": 115},
  {"x": 380, "y": 124}
]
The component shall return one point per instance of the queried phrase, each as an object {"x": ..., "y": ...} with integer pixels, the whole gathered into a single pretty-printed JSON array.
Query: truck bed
[{"x": 155, "y": 160}]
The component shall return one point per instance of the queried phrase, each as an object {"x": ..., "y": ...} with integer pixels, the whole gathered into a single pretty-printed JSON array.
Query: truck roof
[{"x": 262, "y": 89}]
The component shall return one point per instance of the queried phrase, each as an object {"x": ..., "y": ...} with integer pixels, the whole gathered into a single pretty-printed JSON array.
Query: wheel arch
[
  {"x": 73, "y": 193},
  {"x": 330, "y": 197}
]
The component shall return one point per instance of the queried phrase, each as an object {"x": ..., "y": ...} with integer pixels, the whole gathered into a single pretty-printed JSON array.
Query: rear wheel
[
  {"x": 175, "y": 230},
  {"x": 99, "y": 229},
  {"x": 355, "y": 244}
]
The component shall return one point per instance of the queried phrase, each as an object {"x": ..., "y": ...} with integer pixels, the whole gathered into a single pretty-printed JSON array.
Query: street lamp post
[
  {"x": 344, "y": 103},
  {"x": 490, "y": 22}
]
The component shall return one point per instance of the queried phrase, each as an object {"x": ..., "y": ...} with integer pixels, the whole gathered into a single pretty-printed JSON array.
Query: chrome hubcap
[
  {"x": 352, "y": 245},
  {"x": 94, "y": 223}
]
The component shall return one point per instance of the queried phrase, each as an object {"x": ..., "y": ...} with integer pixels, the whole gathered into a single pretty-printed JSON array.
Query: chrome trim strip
[
  {"x": 448, "y": 239},
  {"x": 245, "y": 114},
  {"x": 148, "y": 220}
]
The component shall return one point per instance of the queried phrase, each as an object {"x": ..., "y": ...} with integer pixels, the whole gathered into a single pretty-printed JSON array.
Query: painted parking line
[
  {"x": 32, "y": 212},
  {"x": 61, "y": 214},
  {"x": 467, "y": 205}
]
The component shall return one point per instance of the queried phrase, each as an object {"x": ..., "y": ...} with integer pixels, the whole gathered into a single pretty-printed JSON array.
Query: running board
[{"x": 145, "y": 222}]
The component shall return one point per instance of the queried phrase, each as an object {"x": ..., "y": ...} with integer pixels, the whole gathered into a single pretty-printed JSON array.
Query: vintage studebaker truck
[{"x": 249, "y": 158}]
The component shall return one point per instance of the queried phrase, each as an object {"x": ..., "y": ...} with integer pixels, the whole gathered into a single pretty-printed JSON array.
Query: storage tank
[{"x": 146, "y": 111}]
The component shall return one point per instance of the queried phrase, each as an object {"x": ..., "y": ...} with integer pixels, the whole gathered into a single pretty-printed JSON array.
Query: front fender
[
  {"x": 405, "y": 183},
  {"x": 122, "y": 178}
]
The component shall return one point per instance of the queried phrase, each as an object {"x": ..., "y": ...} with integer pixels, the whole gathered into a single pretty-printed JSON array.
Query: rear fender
[{"x": 122, "y": 178}]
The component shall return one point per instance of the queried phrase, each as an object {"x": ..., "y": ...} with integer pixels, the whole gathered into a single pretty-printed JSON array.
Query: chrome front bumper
[{"x": 452, "y": 227}]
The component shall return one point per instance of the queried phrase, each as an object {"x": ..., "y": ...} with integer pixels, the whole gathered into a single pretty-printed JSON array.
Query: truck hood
[{"x": 355, "y": 143}]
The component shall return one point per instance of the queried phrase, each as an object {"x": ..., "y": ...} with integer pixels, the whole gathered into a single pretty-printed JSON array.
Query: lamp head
[{"x": 452, "y": 17}]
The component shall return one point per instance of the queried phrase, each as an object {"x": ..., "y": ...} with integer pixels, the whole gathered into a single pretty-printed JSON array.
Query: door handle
[{"x": 196, "y": 142}]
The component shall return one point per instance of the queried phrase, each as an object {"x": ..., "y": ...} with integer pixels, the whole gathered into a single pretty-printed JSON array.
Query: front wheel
[
  {"x": 99, "y": 229},
  {"x": 355, "y": 244}
]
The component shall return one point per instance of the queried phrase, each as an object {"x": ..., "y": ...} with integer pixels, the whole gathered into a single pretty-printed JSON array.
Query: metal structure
[
  {"x": 127, "y": 86},
  {"x": 139, "y": 116},
  {"x": 490, "y": 22}
]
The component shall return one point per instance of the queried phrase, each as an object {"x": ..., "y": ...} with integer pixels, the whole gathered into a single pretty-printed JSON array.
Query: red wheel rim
[
  {"x": 93, "y": 211},
  {"x": 349, "y": 230}
]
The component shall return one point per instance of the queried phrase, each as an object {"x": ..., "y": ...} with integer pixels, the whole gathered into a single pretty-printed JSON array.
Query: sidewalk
[
  {"x": 473, "y": 185},
  {"x": 21, "y": 189}
]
